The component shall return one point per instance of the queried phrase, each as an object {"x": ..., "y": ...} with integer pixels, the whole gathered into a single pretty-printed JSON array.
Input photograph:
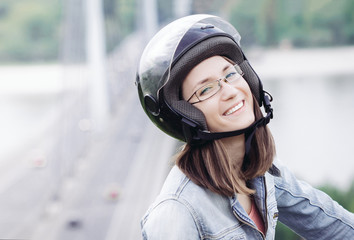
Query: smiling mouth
[{"x": 234, "y": 109}]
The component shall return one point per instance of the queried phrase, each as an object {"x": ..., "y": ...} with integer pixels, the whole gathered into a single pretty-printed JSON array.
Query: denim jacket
[{"x": 184, "y": 210}]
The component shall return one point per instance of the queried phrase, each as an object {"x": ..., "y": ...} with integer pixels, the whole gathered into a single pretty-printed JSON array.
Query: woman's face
[{"x": 231, "y": 108}]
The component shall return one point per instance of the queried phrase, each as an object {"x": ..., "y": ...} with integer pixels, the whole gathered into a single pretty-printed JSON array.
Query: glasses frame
[{"x": 224, "y": 79}]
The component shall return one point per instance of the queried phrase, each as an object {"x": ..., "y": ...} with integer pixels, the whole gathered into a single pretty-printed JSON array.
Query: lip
[{"x": 234, "y": 109}]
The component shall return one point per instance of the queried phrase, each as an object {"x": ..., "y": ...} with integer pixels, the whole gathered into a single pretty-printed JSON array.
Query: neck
[{"x": 235, "y": 147}]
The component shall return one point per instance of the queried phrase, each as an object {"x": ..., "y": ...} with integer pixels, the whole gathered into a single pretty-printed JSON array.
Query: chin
[
  {"x": 236, "y": 124},
  {"x": 244, "y": 124}
]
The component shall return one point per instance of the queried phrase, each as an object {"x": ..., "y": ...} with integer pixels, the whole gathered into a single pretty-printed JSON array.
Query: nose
[{"x": 228, "y": 91}]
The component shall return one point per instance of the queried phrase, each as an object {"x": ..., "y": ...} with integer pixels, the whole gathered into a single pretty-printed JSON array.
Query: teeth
[{"x": 234, "y": 109}]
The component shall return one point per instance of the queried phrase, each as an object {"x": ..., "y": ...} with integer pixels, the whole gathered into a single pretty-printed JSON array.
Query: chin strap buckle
[
  {"x": 267, "y": 106},
  {"x": 190, "y": 132}
]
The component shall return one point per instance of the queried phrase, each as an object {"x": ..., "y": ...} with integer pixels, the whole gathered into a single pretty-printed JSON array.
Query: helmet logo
[{"x": 207, "y": 26}]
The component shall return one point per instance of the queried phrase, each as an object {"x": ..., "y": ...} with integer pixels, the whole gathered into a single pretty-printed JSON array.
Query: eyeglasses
[{"x": 211, "y": 88}]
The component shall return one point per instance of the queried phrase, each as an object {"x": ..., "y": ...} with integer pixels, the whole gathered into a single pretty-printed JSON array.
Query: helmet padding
[{"x": 215, "y": 45}]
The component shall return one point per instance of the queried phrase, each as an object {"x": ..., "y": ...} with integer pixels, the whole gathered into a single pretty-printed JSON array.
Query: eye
[
  {"x": 231, "y": 75},
  {"x": 204, "y": 90}
]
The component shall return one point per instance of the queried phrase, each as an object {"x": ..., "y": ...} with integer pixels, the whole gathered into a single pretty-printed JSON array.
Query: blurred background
[{"x": 80, "y": 160}]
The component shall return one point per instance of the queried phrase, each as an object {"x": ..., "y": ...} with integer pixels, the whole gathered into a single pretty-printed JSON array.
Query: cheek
[
  {"x": 213, "y": 120},
  {"x": 184, "y": 91},
  {"x": 210, "y": 111}
]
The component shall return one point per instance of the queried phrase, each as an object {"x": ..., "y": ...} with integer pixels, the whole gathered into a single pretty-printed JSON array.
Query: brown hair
[{"x": 210, "y": 166}]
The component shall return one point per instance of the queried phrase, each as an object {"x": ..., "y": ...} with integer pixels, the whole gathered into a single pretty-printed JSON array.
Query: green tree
[
  {"x": 120, "y": 16},
  {"x": 29, "y": 30},
  {"x": 303, "y": 22}
]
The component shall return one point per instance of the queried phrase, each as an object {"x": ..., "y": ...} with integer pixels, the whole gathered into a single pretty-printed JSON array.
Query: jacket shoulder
[{"x": 172, "y": 214}]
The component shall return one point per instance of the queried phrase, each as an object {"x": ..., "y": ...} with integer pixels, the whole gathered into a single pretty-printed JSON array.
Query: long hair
[{"x": 210, "y": 166}]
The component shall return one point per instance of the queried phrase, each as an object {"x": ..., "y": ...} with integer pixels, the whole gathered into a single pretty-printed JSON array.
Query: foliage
[
  {"x": 120, "y": 18},
  {"x": 301, "y": 23},
  {"x": 344, "y": 198},
  {"x": 283, "y": 232},
  {"x": 29, "y": 29}
]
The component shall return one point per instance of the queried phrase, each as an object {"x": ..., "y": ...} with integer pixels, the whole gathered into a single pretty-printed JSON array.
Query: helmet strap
[{"x": 196, "y": 136}]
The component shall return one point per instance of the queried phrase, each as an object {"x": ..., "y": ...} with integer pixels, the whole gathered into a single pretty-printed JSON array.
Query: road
[
  {"x": 131, "y": 161},
  {"x": 105, "y": 194},
  {"x": 73, "y": 183}
]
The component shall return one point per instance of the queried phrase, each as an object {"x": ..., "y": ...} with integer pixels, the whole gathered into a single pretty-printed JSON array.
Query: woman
[{"x": 196, "y": 85}]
